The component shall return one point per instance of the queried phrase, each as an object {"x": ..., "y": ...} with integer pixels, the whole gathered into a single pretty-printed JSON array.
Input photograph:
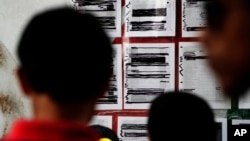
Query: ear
[
  {"x": 205, "y": 38},
  {"x": 23, "y": 82}
]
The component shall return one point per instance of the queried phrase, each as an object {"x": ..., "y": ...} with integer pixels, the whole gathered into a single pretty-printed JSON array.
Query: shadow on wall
[{"x": 12, "y": 104}]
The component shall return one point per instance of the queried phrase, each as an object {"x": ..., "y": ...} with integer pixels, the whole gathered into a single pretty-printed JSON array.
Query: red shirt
[{"x": 25, "y": 130}]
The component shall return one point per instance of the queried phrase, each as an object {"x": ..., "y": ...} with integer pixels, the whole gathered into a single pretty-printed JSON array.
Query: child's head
[
  {"x": 65, "y": 54},
  {"x": 178, "y": 116},
  {"x": 106, "y": 133}
]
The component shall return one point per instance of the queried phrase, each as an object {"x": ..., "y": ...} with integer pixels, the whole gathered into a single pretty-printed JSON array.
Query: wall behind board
[{"x": 14, "y": 15}]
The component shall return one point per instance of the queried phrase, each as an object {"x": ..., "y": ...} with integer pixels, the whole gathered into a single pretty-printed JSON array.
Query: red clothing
[{"x": 24, "y": 130}]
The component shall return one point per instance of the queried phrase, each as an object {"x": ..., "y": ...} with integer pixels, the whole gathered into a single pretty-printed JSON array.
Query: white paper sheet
[
  {"x": 221, "y": 129},
  {"x": 113, "y": 98},
  {"x": 132, "y": 128},
  {"x": 240, "y": 121},
  {"x": 144, "y": 18},
  {"x": 149, "y": 71},
  {"x": 108, "y": 12},
  {"x": 104, "y": 120},
  {"x": 193, "y": 18},
  {"x": 196, "y": 77}
]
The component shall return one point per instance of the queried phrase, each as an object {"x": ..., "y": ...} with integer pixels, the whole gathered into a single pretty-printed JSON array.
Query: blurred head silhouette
[
  {"x": 227, "y": 40},
  {"x": 65, "y": 58},
  {"x": 106, "y": 133},
  {"x": 178, "y": 115}
]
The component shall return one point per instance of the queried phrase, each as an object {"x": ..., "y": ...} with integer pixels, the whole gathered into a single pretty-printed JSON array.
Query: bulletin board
[{"x": 157, "y": 50}]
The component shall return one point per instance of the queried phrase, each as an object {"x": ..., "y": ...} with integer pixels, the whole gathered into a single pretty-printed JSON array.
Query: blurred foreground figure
[
  {"x": 178, "y": 115},
  {"x": 227, "y": 40},
  {"x": 65, "y": 60}
]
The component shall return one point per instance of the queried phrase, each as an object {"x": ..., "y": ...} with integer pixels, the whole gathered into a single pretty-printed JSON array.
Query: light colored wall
[{"x": 14, "y": 15}]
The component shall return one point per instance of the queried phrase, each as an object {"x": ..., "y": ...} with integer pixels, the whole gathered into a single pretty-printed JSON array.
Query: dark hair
[
  {"x": 66, "y": 54},
  {"x": 105, "y": 132},
  {"x": 217, "y": 11},
  {"x": 179, "y": 116}
]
